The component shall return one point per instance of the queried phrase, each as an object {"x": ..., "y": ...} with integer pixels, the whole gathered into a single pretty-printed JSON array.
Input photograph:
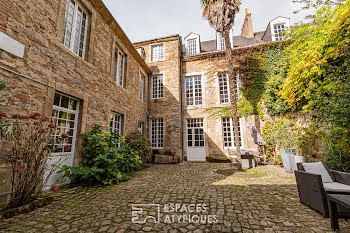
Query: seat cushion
[
  {"x": 319, "y": 169},
  {"x": 336, "y": 187}
]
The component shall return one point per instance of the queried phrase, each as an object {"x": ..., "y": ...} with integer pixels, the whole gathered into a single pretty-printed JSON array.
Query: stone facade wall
[
  {"x": 4, "y": 12},
  {"x": 169, "y": 107},
  {"x": 207, "y": 68},
  {"x": 49, "y": 67}
]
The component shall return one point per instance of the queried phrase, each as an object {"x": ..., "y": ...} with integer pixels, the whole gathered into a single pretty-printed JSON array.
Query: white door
[
  {"x": 195, "y": 141},
  {"x": 65, "y": 115}
]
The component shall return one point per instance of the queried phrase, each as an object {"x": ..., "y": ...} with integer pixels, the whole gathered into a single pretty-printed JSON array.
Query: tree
[
  {"x": 318, "y": 79},
  {"x": 221, "y": 15},
  {"x": 316, "y": 4}
]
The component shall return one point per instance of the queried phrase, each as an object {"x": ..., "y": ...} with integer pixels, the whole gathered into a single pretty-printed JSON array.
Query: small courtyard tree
[
  {"x": 26, "y": 143},
  {"x": 221, "y": 15}
]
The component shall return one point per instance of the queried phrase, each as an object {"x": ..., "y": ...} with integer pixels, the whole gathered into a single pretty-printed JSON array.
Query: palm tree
[{"x": 221, "y": 16}]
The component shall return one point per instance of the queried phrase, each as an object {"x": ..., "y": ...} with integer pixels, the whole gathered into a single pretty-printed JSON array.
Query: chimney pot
[{"x": 247, "y": 29}]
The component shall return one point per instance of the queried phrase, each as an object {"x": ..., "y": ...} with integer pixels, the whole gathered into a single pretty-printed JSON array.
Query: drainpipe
[
  {"x": 149, "y": 105},
  {"x": 181, "y": 100}
]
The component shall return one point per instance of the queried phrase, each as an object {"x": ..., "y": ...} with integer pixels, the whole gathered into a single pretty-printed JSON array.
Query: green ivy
[{"x": 277, "y": 63}]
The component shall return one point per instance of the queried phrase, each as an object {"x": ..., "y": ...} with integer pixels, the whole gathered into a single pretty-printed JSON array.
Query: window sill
[
  {"x": 72, "y": 53},
  {"x": 195, "y": 106},
  {"x": 157, "y": 61}
]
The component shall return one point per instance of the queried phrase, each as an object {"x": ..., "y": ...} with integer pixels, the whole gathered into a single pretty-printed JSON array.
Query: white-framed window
[
  {"x": 228, "y": 133},
  {"x": 157, "y": 87},
  {"x": 157, "y": 52},
  {"x": 222, "y": 43},
  {"x": 140, "y": 127},
  {"x": 65, "y": 113},
  {"x": 122, "y": 64},
  {"x": 157, "y": 133},
  {"x": 116, "y": 123},
  {"x": 278, "y": 30},
  {"x": 142, "y": 87},
  {"x": 194, "y": 95},
  {"x": 142, "y": 53},
  {"x": 119, "y": 67},
  {"x": 224, "y": 87},
  {"x": 75, "y": 28},
  {"x": 192, "y": 46},
  {"x": 195, "y": 133}
]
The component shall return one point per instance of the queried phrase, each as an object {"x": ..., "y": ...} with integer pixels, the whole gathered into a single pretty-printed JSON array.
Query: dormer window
[
  {"x": 222, "y": 43},
  {"x": 278, "y": 29},
  {"x": 142, "y": 53},
  {"x": 192, "y": 46}
]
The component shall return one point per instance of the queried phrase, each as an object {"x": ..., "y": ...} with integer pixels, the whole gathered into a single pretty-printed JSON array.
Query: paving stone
[{"x": 263, "y": 202}]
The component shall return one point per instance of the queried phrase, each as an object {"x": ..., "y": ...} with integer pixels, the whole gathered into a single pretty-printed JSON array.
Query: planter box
[
  {"x": 286, "y": 156},
  {"x": 164, "y": 159},
  {"x": 41, "y": 202}
]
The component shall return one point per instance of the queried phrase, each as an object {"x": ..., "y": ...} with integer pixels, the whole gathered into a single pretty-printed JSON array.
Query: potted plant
[{"x": 287, "y": 143}]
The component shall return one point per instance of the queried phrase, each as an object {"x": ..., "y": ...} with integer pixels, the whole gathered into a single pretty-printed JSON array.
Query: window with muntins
[
  {"x": 140, "y": 127},
  {"x": 116, "y": 124},
  {"x": 195, "y": 133},
  {"x": 142, "y": 87},
  {"x": 157, "y": 52},
  {"x": 157, "y": 133},
  {"x": 119, "y": 67},
  {"x": 192, "y": 47},
  {"x": 228, "y": 133},
  {"x": 224, "y": 87},
  {"x": 222, "y": 43},
  {"x": 157, "y": 87},
  {"x": 75, "y": 28},
  {"x": 122, "y": 62},
  {"x": 194, "y": 94},
  {"x": 278, "y": 29},
  {"x": 65, "y": 116}
]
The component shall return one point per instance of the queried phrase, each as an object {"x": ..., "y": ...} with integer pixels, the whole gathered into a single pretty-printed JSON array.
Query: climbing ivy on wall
[
  {"x": 308, "y": 73},
  {"x": 253, "y": 71},
  {"x": 277, "y": 63}
]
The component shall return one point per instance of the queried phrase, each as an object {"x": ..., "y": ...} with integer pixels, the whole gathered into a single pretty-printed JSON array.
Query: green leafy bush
[
  {"x": 105, "y": 160},
  {"x": 141, "y": 144}
]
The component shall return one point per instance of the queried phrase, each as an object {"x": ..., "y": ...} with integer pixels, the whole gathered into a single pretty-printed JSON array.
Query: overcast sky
[{"x": 147, "y": 19}]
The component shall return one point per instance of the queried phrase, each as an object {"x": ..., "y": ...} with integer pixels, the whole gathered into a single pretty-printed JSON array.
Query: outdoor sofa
[{"x": 315, "y": 181}]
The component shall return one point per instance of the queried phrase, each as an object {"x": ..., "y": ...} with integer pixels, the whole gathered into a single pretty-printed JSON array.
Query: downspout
[
  {"x": 181, "y": 101},
  {"x": 149, "y": 105}
]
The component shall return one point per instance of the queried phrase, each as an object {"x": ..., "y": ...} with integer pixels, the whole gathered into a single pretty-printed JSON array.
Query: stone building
[
  {"x": 191, "y": 84},
  {"x": 71, "y": 61}
]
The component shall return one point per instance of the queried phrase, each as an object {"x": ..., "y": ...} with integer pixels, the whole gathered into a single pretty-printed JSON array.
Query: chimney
[{"x": 247, "y": 29}]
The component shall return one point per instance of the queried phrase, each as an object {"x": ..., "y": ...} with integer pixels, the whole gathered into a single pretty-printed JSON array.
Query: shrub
[
  {"x": 26, "y": 144},
  {"x": 141, "y": 144},
  {"x": 105, "y": 160}
]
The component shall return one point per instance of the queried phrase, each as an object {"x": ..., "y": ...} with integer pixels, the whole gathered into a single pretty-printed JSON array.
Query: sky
[{"x": 148, "y": 19}]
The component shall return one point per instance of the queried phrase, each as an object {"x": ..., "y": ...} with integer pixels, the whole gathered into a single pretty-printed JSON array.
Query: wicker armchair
[{"x": 313, "y": 194}]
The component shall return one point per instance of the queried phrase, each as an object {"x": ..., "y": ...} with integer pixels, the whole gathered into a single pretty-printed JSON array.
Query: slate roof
[{"x": 238, "y": 41}]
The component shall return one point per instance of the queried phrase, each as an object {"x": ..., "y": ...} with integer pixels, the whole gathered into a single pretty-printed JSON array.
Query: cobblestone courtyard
[{"x": 265, "y": 201}]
